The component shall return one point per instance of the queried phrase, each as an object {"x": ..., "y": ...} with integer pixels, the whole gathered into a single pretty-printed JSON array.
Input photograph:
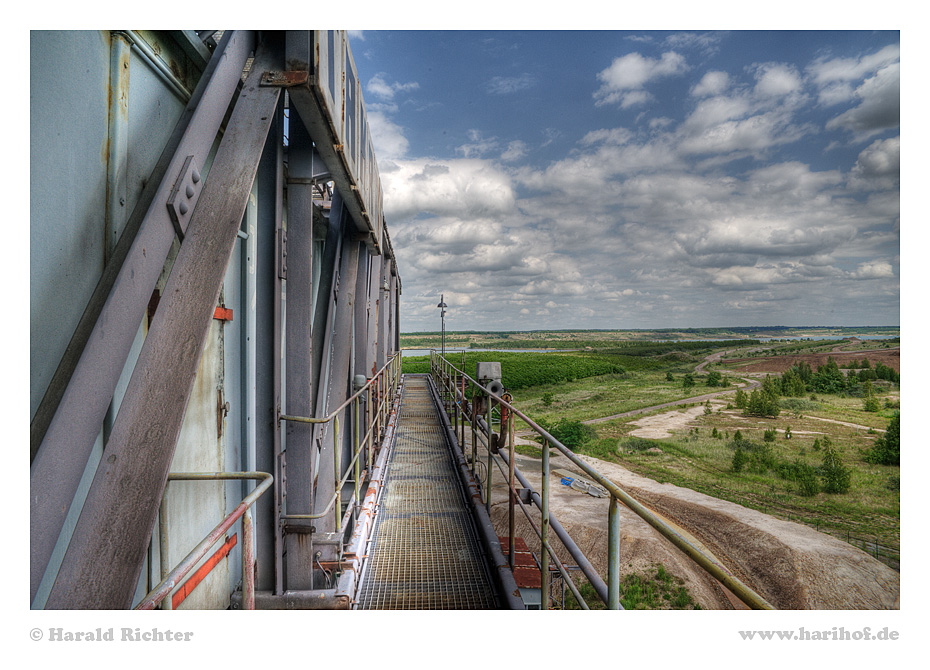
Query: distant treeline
[{"x": 627, "y": 348}]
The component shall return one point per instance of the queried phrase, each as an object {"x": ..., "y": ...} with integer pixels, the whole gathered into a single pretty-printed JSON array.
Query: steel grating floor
[{"x": 425, "y": 552}]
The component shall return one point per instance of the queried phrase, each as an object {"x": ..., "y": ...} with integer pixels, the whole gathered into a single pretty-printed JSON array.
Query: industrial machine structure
[
  {"x": 218, "y": 413},
  {"x": 208, "y": 255}
]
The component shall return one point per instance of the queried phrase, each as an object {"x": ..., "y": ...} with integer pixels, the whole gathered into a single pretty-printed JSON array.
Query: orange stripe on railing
[{"x": 187, "y": 587}]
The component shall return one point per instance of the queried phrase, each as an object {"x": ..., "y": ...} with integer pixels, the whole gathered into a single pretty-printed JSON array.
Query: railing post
[
  {"x": 513, "y": 496},
  {"x": 613, "y": 554},
  {"x": 489, "y": 420},
  {"x": 248, "y": 562},
  {"x": 544, "y": 526}
]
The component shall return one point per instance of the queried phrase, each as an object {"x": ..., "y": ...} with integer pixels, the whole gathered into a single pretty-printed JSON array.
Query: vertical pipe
[
  {"x": 337, "y": 468},
  {"x": 163, "y": 542},
  {"x": 276, "y": 355},
  {"x": 613, "y": 554},
  {"x": 355, "y": 451},
  {"x": 544, "y": 526},
  {"x": 370, "y": 422}
]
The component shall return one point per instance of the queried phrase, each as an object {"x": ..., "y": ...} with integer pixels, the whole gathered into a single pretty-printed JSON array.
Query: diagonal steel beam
[
  {"x": 70, "y": 416},
  {"x": 102, "y": 564}
]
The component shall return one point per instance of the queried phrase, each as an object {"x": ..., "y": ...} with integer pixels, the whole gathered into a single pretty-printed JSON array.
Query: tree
[
  {"x": 687, "y": 381},
  {"x": 887, "y": 448},
  {"x": 762, "y": 403},
  {"x": 836, "y": 477},
  {"x": 739, "y": 459},
  {"x": 547, "y": 398},
  {"x": 714, "y": 378},
  {"x": 741, "y": 399}
]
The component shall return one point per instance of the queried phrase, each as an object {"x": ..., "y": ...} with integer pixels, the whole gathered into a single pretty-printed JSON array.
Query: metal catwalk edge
[{"x": 425, "y": 552}]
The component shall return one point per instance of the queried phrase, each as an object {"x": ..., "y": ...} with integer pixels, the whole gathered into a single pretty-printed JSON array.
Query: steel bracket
[{"x": 183, "y": 196}]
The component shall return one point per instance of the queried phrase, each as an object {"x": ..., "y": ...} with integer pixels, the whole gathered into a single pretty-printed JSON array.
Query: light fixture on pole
[{"x": 442, "y": 306}]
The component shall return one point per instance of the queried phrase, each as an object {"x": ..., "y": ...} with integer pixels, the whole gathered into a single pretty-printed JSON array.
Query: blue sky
[{"x": 606, "y": 179}]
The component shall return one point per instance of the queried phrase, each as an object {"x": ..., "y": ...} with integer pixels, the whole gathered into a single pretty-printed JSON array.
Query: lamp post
[{"x": 442, "y": 314}]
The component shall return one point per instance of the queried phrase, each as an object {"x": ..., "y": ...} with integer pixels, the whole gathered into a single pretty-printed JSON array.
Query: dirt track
[{"x": 790, "y": 565}]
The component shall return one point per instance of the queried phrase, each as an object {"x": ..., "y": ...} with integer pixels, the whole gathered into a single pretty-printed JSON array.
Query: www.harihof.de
[{"x": 125, "y": 635}]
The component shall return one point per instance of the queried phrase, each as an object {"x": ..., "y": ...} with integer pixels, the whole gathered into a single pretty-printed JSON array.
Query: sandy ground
[{"x": 791, "y": 565}]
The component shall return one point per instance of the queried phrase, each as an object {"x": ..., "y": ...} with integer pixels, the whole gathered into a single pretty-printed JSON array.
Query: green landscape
[{"x": 815, "y": 442}]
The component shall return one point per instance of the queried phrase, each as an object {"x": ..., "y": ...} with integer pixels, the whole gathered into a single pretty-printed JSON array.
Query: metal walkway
[{"x": 425, "y": 552}]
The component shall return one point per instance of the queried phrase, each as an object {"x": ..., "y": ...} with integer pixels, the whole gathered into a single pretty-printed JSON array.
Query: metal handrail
[
  {"x": 453, "y": 382},
  {"x": 386, "y": 379},
  {"x": 243, "y": 509}
]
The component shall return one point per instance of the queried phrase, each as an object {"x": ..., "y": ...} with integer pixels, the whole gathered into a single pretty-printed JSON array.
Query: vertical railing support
[
  {"x": 613, "y": 554},
  {"x": 544, "y": 526},
  {"x": 513, "y": 495},
  {"x": 248, "y": 562},
  {"x": 487, "y": 487}
]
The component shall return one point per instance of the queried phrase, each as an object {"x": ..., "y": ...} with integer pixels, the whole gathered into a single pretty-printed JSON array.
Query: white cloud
[
  {"x": 507, "y": 85},
  {"x": 874, "y": 270},
  {"x": 878, "y": 165},
  {"x": 379, "y": 87},
  {"x": 388, "y": 137},
  {"x": 777, "y": 80},
  {"x": 624, "y": 79},
  {"x": 879, "y": 105},
  {"x": 713, "y": 83},
  {"x": 460, "y": 187}
]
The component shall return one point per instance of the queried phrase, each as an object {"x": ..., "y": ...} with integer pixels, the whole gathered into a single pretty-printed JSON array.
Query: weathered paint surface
[{"x": 200, "y": 450}]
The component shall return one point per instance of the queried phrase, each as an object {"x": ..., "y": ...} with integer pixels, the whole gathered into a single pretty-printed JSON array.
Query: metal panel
[
  {"x": 69, "y": 418},
  {"x": 120, "y": 510}
]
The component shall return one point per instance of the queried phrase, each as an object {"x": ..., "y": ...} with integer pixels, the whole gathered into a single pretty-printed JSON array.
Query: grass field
[{"x": 700, "y": 457}]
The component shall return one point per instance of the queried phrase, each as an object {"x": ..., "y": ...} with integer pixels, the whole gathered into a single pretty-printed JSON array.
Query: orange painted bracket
[{"x": 223, "y": 314}]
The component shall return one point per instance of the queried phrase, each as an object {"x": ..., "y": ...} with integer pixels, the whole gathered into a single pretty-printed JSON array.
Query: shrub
[
  {"x": 887, "y": 449},
  {"x": 573, "y": 434},
  {"x": 739, "y": 459},
  {"x": 836, "y": 477}
]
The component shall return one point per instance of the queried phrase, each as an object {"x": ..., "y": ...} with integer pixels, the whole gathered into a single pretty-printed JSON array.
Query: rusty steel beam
[
  {"x": 120, "y": 510},
  {"x": 298, "y": 356}
]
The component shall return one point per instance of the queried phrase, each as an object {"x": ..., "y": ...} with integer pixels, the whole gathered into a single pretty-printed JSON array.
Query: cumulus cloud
[
  {"x": 466, "y": 187},
  {"x": 656, "y": 214},
  {"x": 879, "y": 105},
  {"x": 713, "y": 83},
  {"x": 774, "y": 80},
  {"x": 878, "y": 166},
  {"x": 624, "y": 80},
  {"x": 381, "y": 88}
]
